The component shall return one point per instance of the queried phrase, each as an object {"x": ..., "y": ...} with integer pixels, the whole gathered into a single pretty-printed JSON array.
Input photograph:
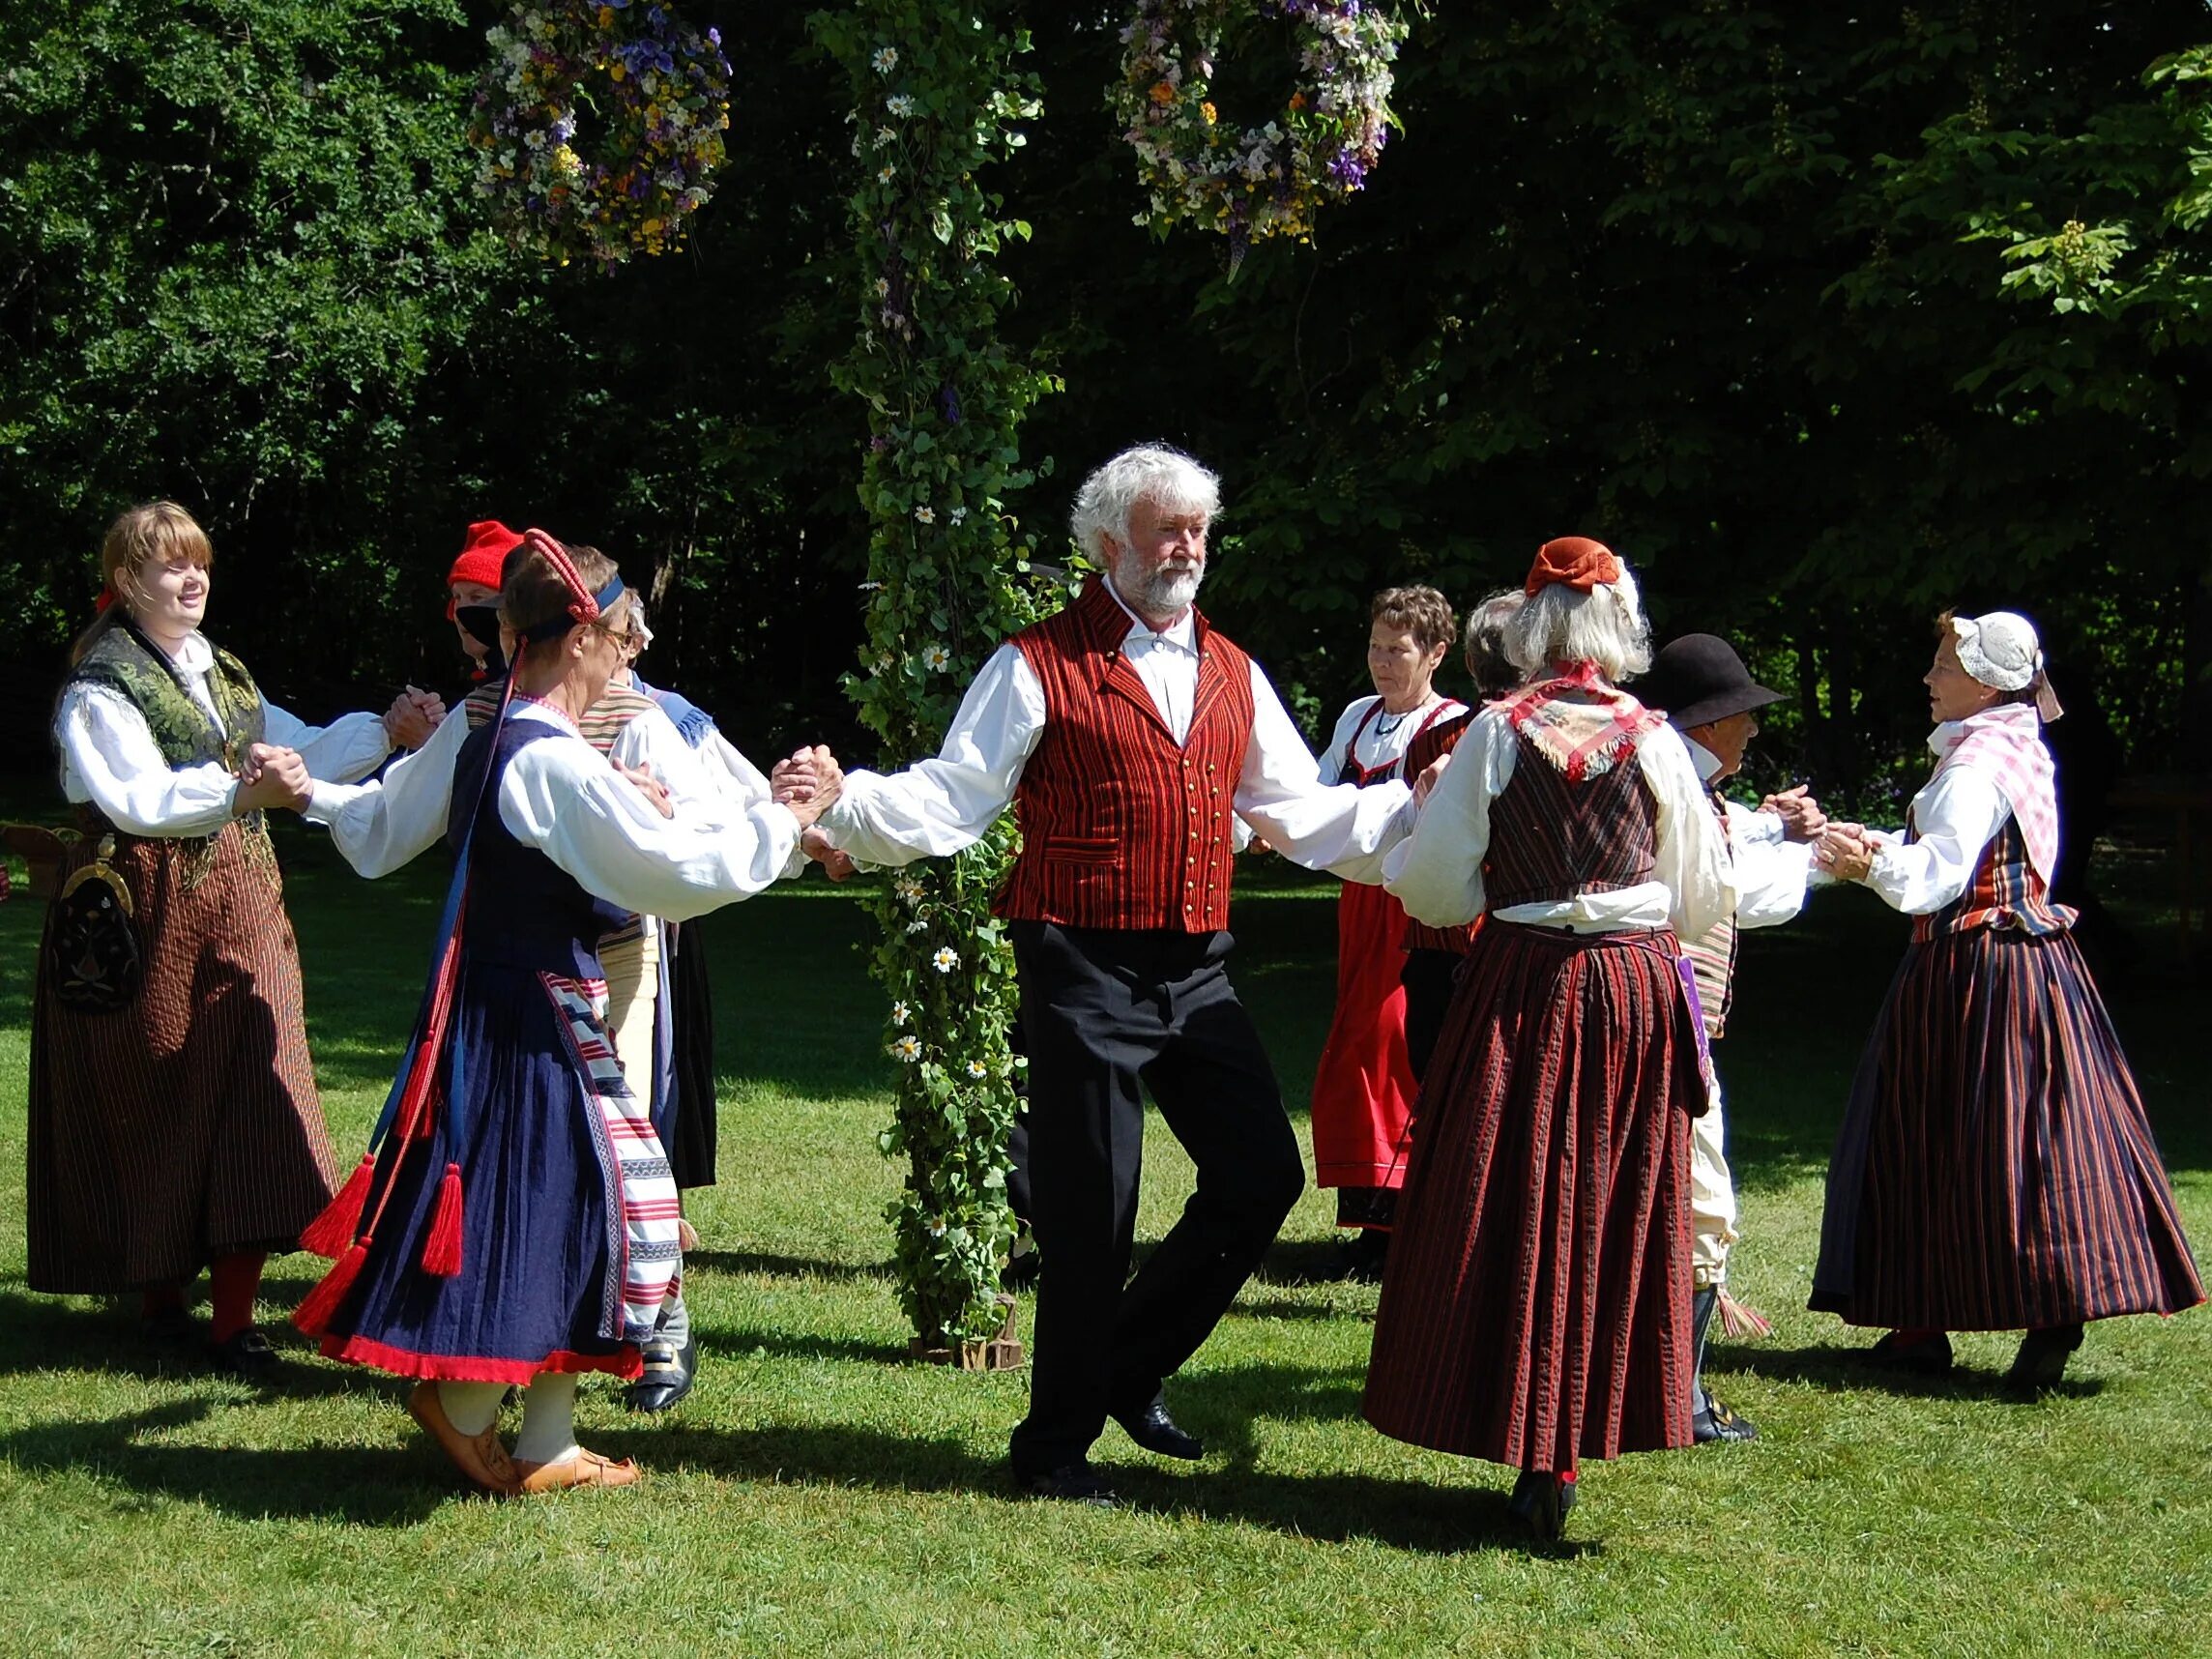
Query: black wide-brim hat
[{"x": 1699, "y": 678}]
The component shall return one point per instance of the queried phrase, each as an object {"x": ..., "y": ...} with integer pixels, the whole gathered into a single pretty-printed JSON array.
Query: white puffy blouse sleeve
[
  {"x": 560, "y": 796},
  {"x": 939, "y": 806},
  {"x": 345, "y": 751},
  {"x": 1771, "y": 873},
  {"x": 1437, "y": 872},
  {"x": 1334, "y": 826},
  {"x": 110, "y": 758},
  {"x": 1691, "y": 856},
  {"x": 381, "y": 825},
  {"x": 1956, "y": 813}
]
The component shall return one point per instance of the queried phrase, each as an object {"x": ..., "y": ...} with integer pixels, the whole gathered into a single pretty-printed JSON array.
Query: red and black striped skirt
[
  {"x": 1536, "y": 1303},
  {"x": 1996, "y": 1171},
  {"x": 185, "y": 1125}
]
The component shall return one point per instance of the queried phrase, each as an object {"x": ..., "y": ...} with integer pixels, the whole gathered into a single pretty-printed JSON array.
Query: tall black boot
[{"x": 1710, "y": 1420}]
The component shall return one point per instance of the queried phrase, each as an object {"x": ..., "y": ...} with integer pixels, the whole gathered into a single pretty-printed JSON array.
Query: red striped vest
[
  {"x": 1119, "y": 826},
  {"x": 1713, "y": 955},
  {"x": 2006, "y": 893},
  {"x": 1553, "y": 837},
  {"x": 1441, "y": 738}
]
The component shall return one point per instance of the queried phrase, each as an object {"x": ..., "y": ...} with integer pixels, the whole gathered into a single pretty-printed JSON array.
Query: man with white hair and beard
[{"x": 1129, "y": 736}]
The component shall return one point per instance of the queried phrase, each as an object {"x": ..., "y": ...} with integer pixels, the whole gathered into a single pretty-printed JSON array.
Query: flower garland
[
  {"x": 600, "y": 124},
  {"x": 938, "y": 96},
  {"x": 1253, "y": 183}
]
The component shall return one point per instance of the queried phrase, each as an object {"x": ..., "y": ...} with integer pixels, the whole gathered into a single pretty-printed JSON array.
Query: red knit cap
[
  {"x": 1574, "y": 561},
  {"x": 483, "y": 553}
]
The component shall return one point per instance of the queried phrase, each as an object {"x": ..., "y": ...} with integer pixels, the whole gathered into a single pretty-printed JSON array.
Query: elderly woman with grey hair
[
  {"x": 1537, "y": 1302},
  {"x": 1129, "y": 736}
]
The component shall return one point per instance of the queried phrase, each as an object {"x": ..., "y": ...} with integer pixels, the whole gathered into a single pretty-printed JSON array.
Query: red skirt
[
  {"x": 1363, "y": 1089},
  {"x": 1537, "y": 1302}
]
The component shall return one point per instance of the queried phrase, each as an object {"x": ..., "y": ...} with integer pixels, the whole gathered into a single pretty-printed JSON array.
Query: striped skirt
[
  {"x": 1995, "y": 1171},
  {"x": 187, "y": 1125},
  {"x": 569, "y": 1212},
  {"x": 1536, "y": 1303}
]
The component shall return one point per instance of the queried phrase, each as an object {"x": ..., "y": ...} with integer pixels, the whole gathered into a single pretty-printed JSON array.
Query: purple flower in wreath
[{"x": 949, "y": 400}]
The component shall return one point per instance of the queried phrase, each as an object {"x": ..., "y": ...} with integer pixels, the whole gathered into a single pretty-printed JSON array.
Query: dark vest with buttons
[{"x": 1120, "y": 826}]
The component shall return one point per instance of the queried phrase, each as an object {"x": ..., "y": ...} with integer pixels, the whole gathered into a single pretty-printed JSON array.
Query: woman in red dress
[{"x": 1363, "y": 1089}]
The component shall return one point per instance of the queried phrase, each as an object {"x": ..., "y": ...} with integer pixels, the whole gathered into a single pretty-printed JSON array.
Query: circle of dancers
[{"x": 1517, "y": 1100}]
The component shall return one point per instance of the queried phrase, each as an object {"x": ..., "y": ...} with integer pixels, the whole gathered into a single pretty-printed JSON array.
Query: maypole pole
[{"x": 936, "y": 98}]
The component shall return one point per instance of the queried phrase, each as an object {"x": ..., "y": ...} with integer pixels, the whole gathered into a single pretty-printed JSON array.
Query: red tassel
[
  {"x": 442, "y": 1249},
  {"x": 330, "y": 1232},
  {"x": 313, "y": 1316}
]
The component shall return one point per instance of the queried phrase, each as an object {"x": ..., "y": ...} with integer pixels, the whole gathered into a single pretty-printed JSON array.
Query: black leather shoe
[
  {"x": 668, "y": 1374},
  {"x": 246, "y": 1353},
  {"x": 2042, "y": 1358},
  {"x": 1069, "y": 1483},
  {"x": 1151, "y": 1427},
  {"x": 1713, "y": 1421},
  {"x": 1541, "y": 1501},
  {"x": 1928, "y": 1355}
]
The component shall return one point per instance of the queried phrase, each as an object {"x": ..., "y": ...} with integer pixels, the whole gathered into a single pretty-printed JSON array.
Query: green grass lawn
[{"x": 820, "y": 1494}]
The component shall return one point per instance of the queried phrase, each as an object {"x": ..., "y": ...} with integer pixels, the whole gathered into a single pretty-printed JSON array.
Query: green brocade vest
[{"x": 125, "y": 661}]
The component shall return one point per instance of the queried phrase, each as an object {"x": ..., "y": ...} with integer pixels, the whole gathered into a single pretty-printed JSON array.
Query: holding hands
[
  {"x": 809, "y": 783},
  {"x": 652, "y": 788},
  {"x": 1846, "y": 852},
  {"x": 413, "y": 716},
  {"x": 270, "y": 777},
  {"x": 1802, "y": 819}
]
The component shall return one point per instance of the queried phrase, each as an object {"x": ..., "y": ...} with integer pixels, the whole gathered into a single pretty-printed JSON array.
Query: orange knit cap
[{"x": 1576, "y": 560}]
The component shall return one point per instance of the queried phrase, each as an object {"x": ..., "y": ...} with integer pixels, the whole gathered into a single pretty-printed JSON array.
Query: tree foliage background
[{"x": 1825, "y": 321}]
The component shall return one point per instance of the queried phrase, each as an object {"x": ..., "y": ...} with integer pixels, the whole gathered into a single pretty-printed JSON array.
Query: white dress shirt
[
  {"x": 560, "y": 795},
  {"x": 109, "y": 756},
  {"x": 1956, "y": 815},
  {"x": 938, "y": 807},
  {"x": 380, "y": 826},
  {"x": 1771, "y": 871},
  {"x": 1437, "y": 873}
]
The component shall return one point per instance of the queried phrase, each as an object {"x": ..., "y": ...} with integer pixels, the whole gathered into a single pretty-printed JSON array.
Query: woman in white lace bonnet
[{"x": 1995, "y": 1171}]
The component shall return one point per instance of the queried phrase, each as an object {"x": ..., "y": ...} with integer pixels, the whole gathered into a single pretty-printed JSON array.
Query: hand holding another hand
[
  {"x": 1845, "y": 852},
  {"x": 836, "y": 864},
  {"x": 652, "y": 788},
  {"x": 413, "y": 716},
  {"x": 1802, "y": 819},
  {"x": 271, "y": 777},
  {"x": 808, "y": 783}
]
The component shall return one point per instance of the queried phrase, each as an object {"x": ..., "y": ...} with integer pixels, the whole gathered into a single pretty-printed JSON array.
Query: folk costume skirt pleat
[
  {"x": 691, "y": 1143},
  {"x": 185, "y": 1125},
  {"x": 1536, "y": 1307},
  {"x": 1363, "y": 1088},
  {"x": 568, "y": 1212},
  {"x": 1995, "y": 1170}
]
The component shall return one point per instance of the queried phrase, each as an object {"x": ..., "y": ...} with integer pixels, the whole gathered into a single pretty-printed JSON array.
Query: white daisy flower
[
  {"x": 976, "y": 1068},
  {"x": 925, "y": 515},
  {"x": 945, "y": 960},
  {"x": 885, "y": 175},
  {"x": 899, "y": 1014},
  {"x": 885, "y": 137},
  {"x": 936, "y": 657},
  {"x": 899, "y": 104},
  {"x": 886, "y": 59},
  {"x": 908, "y": 1047},
  {"x": 957, "y": 514}
]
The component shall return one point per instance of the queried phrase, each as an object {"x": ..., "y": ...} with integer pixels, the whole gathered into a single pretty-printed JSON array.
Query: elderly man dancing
[{"x": 1129, "y": 736}]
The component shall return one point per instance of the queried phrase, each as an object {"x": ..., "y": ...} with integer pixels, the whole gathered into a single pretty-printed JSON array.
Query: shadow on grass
[
  {"x": 46, "y": 1333},
  {"x": 393, "y": 1488},
  {"x": 1406, "y": 1515},
  {"x": 749, "y": 1341},
  {"x": 1848, "y": 1370},
  {"x": 753, "y": 1262}
]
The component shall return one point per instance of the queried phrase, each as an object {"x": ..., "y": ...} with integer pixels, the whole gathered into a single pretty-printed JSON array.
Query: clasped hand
[
  {"x": 1846, "y": 852},
  {"x": 1802, "y": 819},
  {"x": 413, "y": 716},
  {"x": 809, "y": 783},
  {"x": 271, "y": 777}
]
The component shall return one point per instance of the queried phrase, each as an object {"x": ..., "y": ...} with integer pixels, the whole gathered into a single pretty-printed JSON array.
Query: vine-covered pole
[{"x": 937, "y": 97}]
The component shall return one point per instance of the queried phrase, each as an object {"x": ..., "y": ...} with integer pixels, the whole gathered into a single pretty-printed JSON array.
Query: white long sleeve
[
  {"x": 1771, "y": 873},
  {"x": 383, "y": 826},
  {"x": 110, "y": 759},
  {"x": 1957, "y": 814},
  {"x": 560, "y": 796},
  {"x": 939, "y": 805},
  {"x": 1436, "y": 874},
  {"x": 345, "y": 751},
  {"x": 651, "y": 742}
]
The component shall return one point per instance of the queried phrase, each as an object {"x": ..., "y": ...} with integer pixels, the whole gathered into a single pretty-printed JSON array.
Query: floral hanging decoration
[
  {"x": 599, "y": 125},
  {"x": 1252, "y": 182}
]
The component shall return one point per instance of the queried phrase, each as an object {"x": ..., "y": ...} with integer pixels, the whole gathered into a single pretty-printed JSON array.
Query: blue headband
[{"x": 553, "y": 627}]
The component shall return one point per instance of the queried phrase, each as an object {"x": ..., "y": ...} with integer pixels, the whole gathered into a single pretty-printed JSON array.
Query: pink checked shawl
[
  {"x": 1577, "y": 722},
  {"x": 2006, "y": 744}
]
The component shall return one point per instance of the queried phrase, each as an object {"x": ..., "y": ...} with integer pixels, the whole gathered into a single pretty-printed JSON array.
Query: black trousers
[
  {"x": 1104, "y": 1011},
  {"x": 1428, "y": 977}
]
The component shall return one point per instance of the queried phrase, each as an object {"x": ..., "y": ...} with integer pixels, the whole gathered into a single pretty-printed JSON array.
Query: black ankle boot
[
  {"x": 2042, "y": 1358},
  {"x": 1709, "y": 1419}
]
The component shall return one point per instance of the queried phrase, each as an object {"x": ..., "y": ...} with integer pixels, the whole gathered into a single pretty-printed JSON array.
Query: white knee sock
[
  {"x": 548, "y": 1421},
  {"x": 471, "y": 1406}
]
